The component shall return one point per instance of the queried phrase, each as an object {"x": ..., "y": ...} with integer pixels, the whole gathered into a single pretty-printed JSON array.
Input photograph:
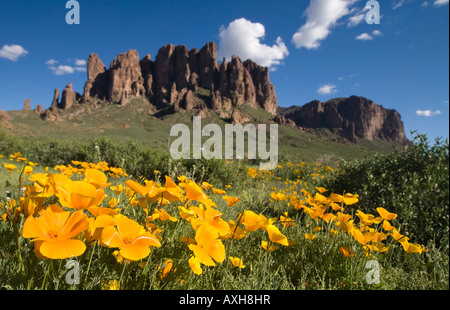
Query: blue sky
[{"x": 319, "y": 49}]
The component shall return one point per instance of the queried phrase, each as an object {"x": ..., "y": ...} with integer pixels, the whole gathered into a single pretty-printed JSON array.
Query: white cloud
[
  {"x": 356, "y": 19},
  {"x": 427, "y": 113},
  {"x": 376, "y": 33},
  {"x": 321, "y": 17},
  {"x": 51, "y": 62},
  {"x": 440, "y": 2},
  {"x": 398, "y": 4},
  {"x": 80, "y": 62},
  {"x": 80, "y": 66},
  {"x": 327, "y": 89},
  {"x": 367, "y": 37},
  {"x": 364, "y": 37},
  {"x": 243, "y": 39},
  {"x": 12, "y": 52},
  {"x": 62, "y": 70}
]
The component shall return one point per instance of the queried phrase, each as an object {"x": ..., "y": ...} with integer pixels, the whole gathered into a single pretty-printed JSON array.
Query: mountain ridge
[{"x": 179, "y": 79}]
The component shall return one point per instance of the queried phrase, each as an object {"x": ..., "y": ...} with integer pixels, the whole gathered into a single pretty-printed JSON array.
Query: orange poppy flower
[
  {"x": 218, "y": 191},
  {"x": 53, "y": 231},
  {"x": 231, "y": 201},
  {"x": 172, "y": 192},
  {"x": 194, "y": 192},
  {"x": 347, "y": 252},
  {"x": 130, "y": 237},
  {"x": 208, "y": 247},
  {"x": 96, "y": 178},
  {"x": 276, "y": 236},
  {"x": 350, "y": 199},
  {"x": 237, "y": 262},
  {"x": 386, "y": 215},
  {"x": 210, "y": 216}
]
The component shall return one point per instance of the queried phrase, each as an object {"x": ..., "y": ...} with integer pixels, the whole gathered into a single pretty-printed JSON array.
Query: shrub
[{"x": 413, "y": 182}]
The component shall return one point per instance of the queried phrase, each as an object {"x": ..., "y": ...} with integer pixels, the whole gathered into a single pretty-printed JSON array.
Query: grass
[
  {"x": 306, "y": 265},
  {"x": 136, "y": 122},
  {"x": 130, "y": 138}
]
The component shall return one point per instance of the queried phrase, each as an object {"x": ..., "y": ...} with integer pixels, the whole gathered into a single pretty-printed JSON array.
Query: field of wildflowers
[{"x": 88, "y": 226}]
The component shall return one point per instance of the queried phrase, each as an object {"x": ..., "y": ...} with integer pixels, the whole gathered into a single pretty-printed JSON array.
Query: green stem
[
  {"x": 121, "y": 275},
  {"x": 45, "y": 276},
  {"x": 90, "y": 260}
]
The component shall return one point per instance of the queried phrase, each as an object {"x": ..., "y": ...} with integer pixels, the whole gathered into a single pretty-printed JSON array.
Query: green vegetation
[
  {"x": 135, "y": 123},
  {"x": 412, "y": 181}
]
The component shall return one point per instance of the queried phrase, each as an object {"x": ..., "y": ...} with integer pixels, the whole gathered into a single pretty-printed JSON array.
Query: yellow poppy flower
[
  {"x": 194, "y": 192},
  {"x": 350, "y": 199},
  {"x": 206, "y": 185},
  {"x": 165, "y": 268},
  {"x": 83, "y": 195},
  {"x": 96, "y": 178},
  {"x": 387, "y": 226},
  {"x": 286, "y": 221},
  {"x": 231, "y": 201},
  {"x": 310, "y": 236},
  {"x": 54, "y": 230},
  {"x": 9, "y": 167},
  {"x": 368, "y": 219},
  {"x": 235, "y": 232},
  {"x": 131, "y": 238},
  {"x": 172, "y": 192},
  {"x": 252, "y": 221},
  {"x": 347, "y": 252},
  {"x": 386, "y": 215},
  {"x": 411, "y": 248},
  {"x": 276, "y": 236},
  {"x": 265, "y": 246},
  {"x": 208, "y": 247},
  {"x": 138, "y": 188},
  {"x": 218, "y": 191},
  {"x": 28, "y": 170},
  {"x": 237, "y": 262},
  {"x": 162, "y": 215},
  {"x": 195, "y": 265},
  {"x": 117, "y": 189},
  {"x": 210, "y": 216}
]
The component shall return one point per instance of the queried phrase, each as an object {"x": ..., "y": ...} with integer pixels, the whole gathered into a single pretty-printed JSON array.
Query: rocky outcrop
[
  {"x": 39, "y": 109},
  {"x": 4, "y": 116},
  {"x": 125, "y": 78},
  {"x": 351, "y": 118},
  {"x": 55, "y": 101},
  {"x": 69, "y": 97},
  {"x": 238, "y": 117},
  {"x": 97, "y": 83},
  {"x": 181, "y": 78},
  {"x": 27, "y": 105}
]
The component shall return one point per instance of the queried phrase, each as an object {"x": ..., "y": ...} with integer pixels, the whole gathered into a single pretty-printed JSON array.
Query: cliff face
[
  {"x": 350, "y": 118},
  {"x": 179, "y": 78},
  {"x": 173, "y": 79}
]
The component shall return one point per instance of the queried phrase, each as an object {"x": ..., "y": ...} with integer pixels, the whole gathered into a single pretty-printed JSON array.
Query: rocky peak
[
  {"x": 69, "y": 97},
  {"x": 177, "y": 78},
  {"x": 27, "y": 105},
  {"x": 125, "y": 78},
  {"x": 97, "y": 82},
  {"x": 351, "y": 118}
]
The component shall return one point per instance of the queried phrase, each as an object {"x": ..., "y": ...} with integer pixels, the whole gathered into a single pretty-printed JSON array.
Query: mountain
[
  {"x": 177, "y": 79},
  {"x": 350, "y": 118},
  {"x": 180, "y": 80}
]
